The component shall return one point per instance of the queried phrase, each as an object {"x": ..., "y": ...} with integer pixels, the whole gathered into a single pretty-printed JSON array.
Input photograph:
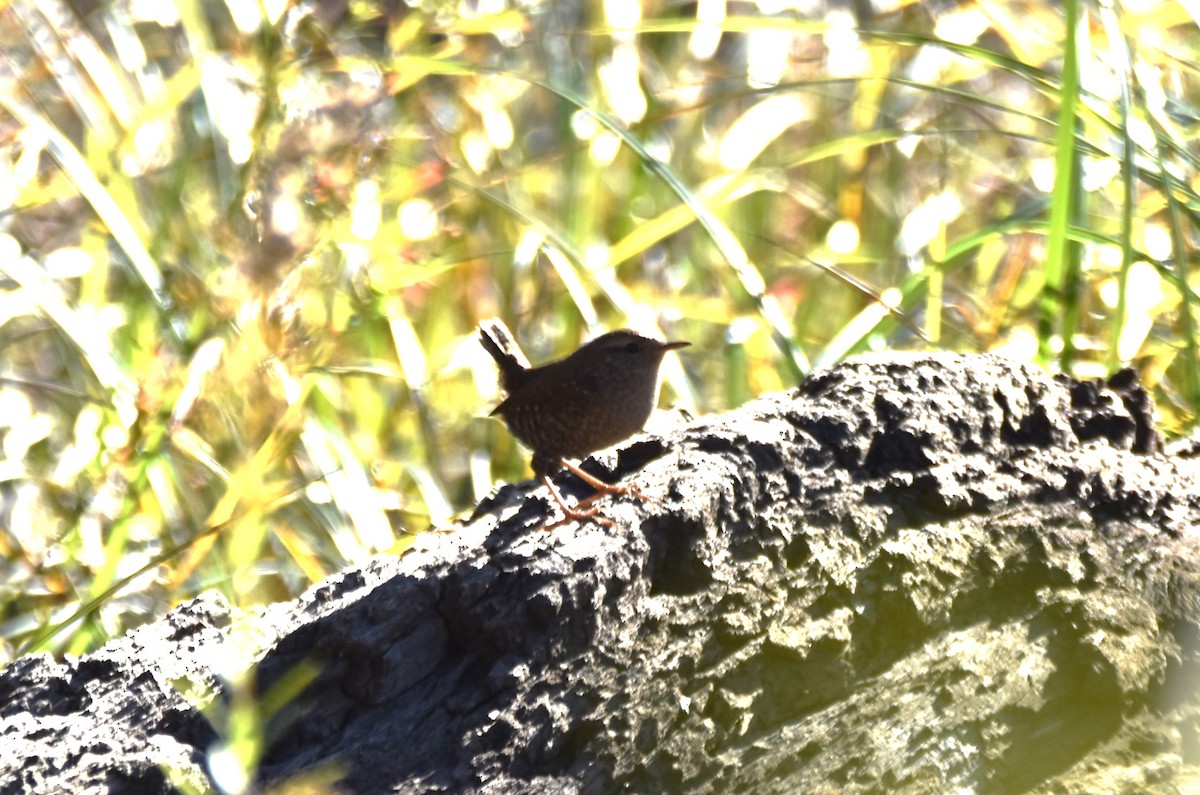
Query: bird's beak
[{"x": 670, "y": 346}]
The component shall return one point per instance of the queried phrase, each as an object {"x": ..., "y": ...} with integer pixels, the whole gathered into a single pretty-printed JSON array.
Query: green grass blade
[
  {"x": 77, "y": 170},
  {"x": 1061, "y": 257},
  {"x": 1129, "y": 179}
]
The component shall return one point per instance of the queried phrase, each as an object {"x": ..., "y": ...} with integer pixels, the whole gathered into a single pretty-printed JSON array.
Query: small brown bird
[{"x": 599, "y": 395}]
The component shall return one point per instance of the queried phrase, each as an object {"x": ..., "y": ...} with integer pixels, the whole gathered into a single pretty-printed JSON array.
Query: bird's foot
[
  {"x": 602, "y": 488},
  {"x": 580, "y": 511},
  {"x": 573, "y": 515}
]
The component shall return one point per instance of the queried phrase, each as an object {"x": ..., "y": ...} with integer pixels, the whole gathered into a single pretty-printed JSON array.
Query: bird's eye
[{"x": 631, "y": 347}]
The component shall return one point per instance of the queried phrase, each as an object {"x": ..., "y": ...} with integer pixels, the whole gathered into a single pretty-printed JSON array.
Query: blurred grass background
[{"x": 244, "y": 247}]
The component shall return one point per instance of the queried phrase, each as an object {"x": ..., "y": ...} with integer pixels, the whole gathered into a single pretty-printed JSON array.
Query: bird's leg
[
  {"x": 573, "y": 514},
  {"x": 601, "y": 488}
]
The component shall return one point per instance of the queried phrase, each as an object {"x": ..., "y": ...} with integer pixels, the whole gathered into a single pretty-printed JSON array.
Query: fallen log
[{"x": 915, "y": 573}]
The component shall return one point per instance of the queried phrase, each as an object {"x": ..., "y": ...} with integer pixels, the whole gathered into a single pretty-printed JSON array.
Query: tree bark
[{"x": 913, "y": 574}]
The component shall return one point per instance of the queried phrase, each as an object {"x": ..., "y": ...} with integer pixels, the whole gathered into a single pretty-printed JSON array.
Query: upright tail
[{"x": 498, "y": 341}]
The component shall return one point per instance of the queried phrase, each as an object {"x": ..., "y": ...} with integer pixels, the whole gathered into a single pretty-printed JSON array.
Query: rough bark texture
[{"x": 913, "y": 574}]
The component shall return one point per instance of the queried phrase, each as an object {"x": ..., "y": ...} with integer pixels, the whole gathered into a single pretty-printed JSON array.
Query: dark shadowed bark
[{"x": 914, "y": 574}]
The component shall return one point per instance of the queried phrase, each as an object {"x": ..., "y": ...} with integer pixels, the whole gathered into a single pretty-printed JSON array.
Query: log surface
[{"x": 915, "y": 573}]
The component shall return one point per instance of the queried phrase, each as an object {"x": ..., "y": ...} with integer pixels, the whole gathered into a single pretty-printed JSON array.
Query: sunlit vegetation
[{"x": 244, "y": 247}]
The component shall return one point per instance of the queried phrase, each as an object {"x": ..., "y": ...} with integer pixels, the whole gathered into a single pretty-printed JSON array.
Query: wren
[{"x": 597, "y": 396}]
